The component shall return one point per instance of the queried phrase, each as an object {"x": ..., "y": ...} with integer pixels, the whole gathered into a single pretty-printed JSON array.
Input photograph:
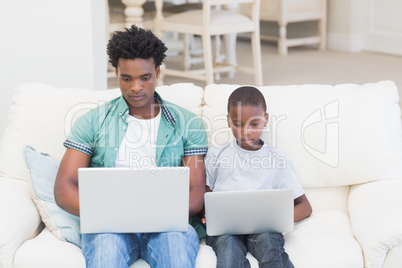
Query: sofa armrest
[
  {"x": 376, "y": 215},
  {"x": 20, "y": 219}
]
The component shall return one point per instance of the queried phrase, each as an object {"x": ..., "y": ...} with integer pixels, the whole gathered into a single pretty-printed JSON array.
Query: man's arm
[
  {"x": 302, "y": 208},
  {"x": 197, "y": 182},
  {"x": 66, "y": 185}
]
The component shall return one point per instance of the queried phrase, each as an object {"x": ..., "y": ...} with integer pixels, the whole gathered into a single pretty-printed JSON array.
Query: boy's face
[
  {"x": 137, "y": 80},
  {"x": 247, "y": 124}
]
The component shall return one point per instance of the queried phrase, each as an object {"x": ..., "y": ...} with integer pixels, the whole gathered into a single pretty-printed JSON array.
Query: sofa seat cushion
[
  {"x": 325, "y": 239},
  {"x": 311, "y": 244},
  {"x": 46, "y": 251},
  {"x": 206, "y": 257}
]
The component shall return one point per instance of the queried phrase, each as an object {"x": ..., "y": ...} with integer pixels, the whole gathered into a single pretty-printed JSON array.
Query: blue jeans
[
  {"x": 170, "y": 249},
  {"x": 267, "y": 248}
]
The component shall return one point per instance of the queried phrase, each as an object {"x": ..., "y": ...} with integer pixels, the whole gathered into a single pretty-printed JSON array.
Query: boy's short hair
[
  {"x": 134, "y": 43},
  {"x": 245, "y": 96}
]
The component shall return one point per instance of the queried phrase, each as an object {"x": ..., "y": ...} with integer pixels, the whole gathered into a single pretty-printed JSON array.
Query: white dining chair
[
  {"x": 217, "y": 18},
  {"x": 183, "y": 45}
]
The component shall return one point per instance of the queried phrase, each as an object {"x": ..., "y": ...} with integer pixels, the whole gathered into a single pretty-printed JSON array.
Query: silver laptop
[
  {"x": 249, "y": 212},
  {"x": 119, "y": 200}
]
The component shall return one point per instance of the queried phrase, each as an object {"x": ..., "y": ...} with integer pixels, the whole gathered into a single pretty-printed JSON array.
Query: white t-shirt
[
  {"x": 231, "y": 168},
  {"x": 137, "y": 149}
]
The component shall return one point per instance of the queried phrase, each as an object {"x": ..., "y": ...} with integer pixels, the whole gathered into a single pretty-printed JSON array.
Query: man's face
[{"x": 137, "y": 80}]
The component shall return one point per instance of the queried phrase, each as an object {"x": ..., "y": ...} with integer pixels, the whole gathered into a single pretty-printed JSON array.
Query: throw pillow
[{"x": 42, "y": 170}]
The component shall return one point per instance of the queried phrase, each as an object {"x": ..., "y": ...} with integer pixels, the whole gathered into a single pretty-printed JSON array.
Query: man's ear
[
  {"x": 228, "y": 120},
  {"x": 116, "y": 72},
  {"x": 158, "y": 71}
]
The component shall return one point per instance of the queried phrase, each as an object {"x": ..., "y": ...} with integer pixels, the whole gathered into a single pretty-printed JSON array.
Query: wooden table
[{"x": 133, "y": 12}]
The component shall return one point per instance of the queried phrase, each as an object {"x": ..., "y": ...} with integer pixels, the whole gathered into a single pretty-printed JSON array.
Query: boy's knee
[
  {"x": 229, "y": 243},
  {"x": 267, "y": 240}
]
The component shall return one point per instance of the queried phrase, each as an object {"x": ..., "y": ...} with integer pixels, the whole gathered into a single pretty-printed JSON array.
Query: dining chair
[
  {"x": 185, "y": 45},
  {"x": 216, "y": 18}
]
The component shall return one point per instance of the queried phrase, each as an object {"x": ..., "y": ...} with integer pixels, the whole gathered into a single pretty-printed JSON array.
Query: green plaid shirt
[{"x": 100, "y": 132}]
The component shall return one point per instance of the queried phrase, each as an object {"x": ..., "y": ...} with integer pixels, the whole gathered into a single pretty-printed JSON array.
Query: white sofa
[{"x": 345, "y": 142}]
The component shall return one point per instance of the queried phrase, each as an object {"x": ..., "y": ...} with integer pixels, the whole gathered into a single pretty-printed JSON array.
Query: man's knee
[
  {"x": 107, "y": 247},
  {"x": 173, "y": 249}
]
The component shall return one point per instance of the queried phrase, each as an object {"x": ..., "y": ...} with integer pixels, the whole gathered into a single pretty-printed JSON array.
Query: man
[{"x": 109, "y": 136}]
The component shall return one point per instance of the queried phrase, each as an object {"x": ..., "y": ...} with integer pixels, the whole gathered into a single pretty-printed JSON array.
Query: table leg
[{"x": 134, "y": 12}]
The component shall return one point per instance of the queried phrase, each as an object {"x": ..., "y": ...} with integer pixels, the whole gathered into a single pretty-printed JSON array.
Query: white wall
[
  {"x": 62, "y": 43},
  {"x": 383, "y": 27},
  {"x": 365, "y": 25},
  {"x": 344, "y": 25}
]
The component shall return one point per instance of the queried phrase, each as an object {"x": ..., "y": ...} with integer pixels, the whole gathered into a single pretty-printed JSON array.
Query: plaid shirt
[{"x": 100, "y": 132}]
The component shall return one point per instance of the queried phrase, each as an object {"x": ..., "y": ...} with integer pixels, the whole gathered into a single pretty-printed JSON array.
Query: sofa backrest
[
  {"x": 41, "y": 116},
  {"x": 335, "y": 135}
]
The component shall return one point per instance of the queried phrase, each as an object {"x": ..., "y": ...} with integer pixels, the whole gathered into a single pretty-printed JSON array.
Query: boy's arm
[
  {"x": 197, "y": 182},
  {"x": 302, "y": 208},
  {"x": 203, "y": 213}
]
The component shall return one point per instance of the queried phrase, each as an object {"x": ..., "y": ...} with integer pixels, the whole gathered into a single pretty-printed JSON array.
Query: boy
[
  {"x": 247, "y": 117},
  {"x": 109, "y": 136}
]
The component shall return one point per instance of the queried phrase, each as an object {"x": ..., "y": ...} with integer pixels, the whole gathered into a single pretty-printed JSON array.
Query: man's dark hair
[
  {"x": 245, "y": 96},
  {"x": 134, "y": 43}
]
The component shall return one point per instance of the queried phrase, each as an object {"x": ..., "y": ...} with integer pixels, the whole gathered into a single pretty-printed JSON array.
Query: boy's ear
[
  {"x": 228, "y": 120},
  {"x": 116, "y": 72},
  {"x": 266, "y": 119}
]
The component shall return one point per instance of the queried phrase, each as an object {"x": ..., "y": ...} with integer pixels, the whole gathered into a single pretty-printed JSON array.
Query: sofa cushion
[
  {"x": 46, "y": 251},
  {"x": 328, "y": 198},
  {"x": 325, "y": 239},
  {"x": 186, "y": 95},
  {"x": 335, "y": 135},
  {"x": 42, "y": 176},
  {"x": 376, "y": 216},
  {"x": 42, "y": 115},
  {"x": 20, "y": 219}
]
